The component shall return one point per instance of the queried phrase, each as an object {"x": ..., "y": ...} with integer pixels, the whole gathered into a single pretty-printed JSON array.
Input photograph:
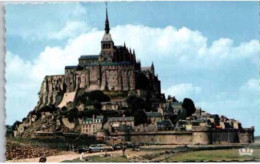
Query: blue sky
[{"x": 207, "y": 51}]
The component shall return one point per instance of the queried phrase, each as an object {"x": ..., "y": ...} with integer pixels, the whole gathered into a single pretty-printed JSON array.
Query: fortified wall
[{"x": 188, "y": 137}]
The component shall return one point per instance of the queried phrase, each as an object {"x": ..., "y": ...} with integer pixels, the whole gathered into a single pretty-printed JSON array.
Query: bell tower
[{"x": 107, "y": 44}]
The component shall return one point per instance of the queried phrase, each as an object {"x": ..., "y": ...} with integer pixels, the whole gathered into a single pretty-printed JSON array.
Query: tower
[
  {"x": 107, "y": 44},
  {"x": 152, "y": 68}
]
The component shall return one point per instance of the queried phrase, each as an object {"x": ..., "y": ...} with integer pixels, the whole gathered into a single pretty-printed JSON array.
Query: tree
[
  {"x": 135, "y": 103},
  {"x": 64, "y": 109},
  {"x": 97, "y": 105},
  {"x": 140, "y": 117},
  {"x": 88, "y": 98},
  {"x": 189, "y": 106},
  {"x": 48, "y": 108},
  {"x": 72, "y": 114}
]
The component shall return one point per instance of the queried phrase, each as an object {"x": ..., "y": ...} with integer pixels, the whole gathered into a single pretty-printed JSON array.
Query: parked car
[
  {"x": 130, "y": 145},
  {"x": 117, "y": 147},
  {"x": 108, "y": 148},
  {"x": 81, "y": 149},
  {"x": 96, "y": 148}
]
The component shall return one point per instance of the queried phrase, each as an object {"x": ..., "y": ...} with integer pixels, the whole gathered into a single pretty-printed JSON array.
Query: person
[
  {"x": 81, "y": 156},
  {"x": 123, "y": 149},
  {"x": 42, "y": 159}
]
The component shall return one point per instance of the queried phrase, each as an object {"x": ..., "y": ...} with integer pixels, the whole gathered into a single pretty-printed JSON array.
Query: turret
[
  {"x": 152, "y": 68},
  {"x": 107, "y": 44}
]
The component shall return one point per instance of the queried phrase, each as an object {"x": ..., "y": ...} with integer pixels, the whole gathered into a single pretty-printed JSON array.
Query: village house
[
  {"x": 90, "y": 126},
  {"x": 109, "y": 106},
  {"x": 165, "y": 125},
  {"x": 114, "y": 123},
  {"x": 154, "y": 117}
]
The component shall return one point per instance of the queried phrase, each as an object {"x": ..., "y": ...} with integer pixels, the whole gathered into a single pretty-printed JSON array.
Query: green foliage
[
  {"x": 88, "y": 113},
  {"x": 50, "y": 108},
  {"x": 134, "y": 103},
  {"x": 64, "y": 109},
  {"x": 189, "y": 106},
  {"x": 92, "y": 98},
  {"x": 140, "y": 117},
  {"x": 72, "y": 114}
]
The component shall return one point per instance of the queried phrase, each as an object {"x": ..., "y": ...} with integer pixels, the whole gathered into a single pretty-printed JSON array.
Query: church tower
[{"x": 107, "y": 44}]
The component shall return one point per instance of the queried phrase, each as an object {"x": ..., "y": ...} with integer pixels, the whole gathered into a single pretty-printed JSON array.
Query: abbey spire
[{"x": 107, "y": 22}]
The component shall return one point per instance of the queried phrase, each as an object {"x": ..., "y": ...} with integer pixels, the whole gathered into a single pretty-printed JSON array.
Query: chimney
[{"x": 93, "y": 117}]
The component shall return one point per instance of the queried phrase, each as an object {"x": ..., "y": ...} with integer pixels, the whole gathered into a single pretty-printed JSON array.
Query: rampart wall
[{"x": 187, "y": 137}]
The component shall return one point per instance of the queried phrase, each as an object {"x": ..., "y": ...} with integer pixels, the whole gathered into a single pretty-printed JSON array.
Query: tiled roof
[
  {"x": 153, "y": 114},
  {"x": 108, "y": 64},
  {"x": 88, "y": 57},
  {"x": 165, "y": 122},
  {"x": 120, "y": 119},
  {"x": 90, "y": 120},
  {"x": 71, "y": 67}
]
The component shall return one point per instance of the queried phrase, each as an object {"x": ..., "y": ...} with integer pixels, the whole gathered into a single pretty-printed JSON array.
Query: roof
[
  {"x": 214, "y": 116},
  {"x": 119, "y": 47},
  {"x": 153, "y": 114},
  {"x": 145, "y": 68},
  {"x": 88, "y": 57},
  {"x": 176, "y": 103},
  {"x": 108, "y": 103},
  {"x": 106, "y": 38},
  {"x": 168, "y": 107},
  {"x": 71, "y": 67},
  {"x": 90, "y": 120},
  {"x": 100, "y": 117},
  {"x": 120, "y": 119},
  {"x": 108, "y": 64},
  {"x": 166, "y": 122}
]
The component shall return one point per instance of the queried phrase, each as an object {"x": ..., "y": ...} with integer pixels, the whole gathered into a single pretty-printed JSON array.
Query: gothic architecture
[{"x": 115, "y": 68}]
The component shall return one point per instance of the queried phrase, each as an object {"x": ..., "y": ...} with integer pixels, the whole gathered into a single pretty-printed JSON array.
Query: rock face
[{"x": 52, "y": 90}]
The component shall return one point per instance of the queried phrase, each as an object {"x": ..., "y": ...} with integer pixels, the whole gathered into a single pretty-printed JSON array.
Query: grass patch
[
  {"x": 97, "y": 158},
  {"x": 74, "y": 160},
  {"x": 213, "y": 155},
  {"x": 108, "y": 159}
]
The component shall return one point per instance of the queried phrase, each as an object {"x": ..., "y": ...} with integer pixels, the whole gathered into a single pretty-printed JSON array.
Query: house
[
  {"x": 154, "y": 117},
  {"x": 113, "y": 123},
  {"x": 90, "y": 126},
  {"x": 165, "y": 125},
  {"x": 109, "y": 106}
]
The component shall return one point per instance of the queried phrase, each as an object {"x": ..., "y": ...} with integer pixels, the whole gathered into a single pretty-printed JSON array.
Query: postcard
[{"x": 132, "y": 82}]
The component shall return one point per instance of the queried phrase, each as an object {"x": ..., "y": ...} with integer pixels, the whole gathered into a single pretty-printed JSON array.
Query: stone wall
[
  {"x": 224, "y": 137},
  {"x": 159, "y": 137},
  {"x": 246, "y": 136},
  {"x": 187, "y": 137}
]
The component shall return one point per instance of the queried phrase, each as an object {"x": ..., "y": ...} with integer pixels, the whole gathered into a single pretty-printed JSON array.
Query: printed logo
[{"x": 246, "y": 151}]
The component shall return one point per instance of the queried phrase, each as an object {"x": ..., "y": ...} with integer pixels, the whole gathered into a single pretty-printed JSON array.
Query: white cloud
[
  {"x": 252, "y": 85},
  {"x": 184, "y": 90},
  {"x": 71, "y": 29}
]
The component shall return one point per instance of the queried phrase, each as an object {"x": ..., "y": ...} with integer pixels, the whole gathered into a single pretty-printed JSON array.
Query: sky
[{"x": 206, "y": 51}]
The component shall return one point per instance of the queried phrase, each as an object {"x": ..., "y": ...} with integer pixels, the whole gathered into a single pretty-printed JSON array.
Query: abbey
[{"x": 115, "y": 68}]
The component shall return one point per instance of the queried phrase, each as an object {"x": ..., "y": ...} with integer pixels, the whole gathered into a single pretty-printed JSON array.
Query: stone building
[
  {"x": 115, "y": 68},
  {"x": 154, "y": 117},
  {"x": 114, "y": 123},
  {"x": 91, "y": 126}
]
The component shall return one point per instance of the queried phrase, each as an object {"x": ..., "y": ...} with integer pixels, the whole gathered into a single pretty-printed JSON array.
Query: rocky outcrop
[{"x": 52, "y": 91}]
